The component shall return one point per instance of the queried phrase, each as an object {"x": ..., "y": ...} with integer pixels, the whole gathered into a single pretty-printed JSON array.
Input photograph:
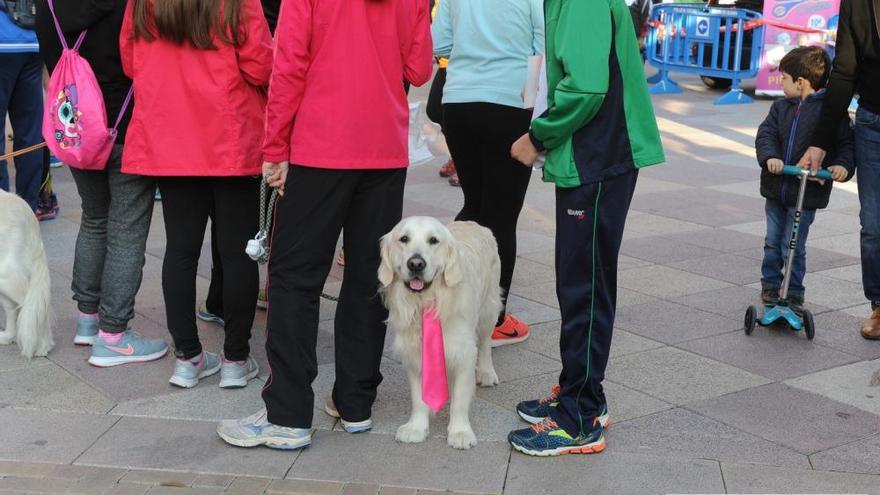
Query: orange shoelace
[
  {"x": 547, "y": 425},
  {"x": 554, "y": 394}
]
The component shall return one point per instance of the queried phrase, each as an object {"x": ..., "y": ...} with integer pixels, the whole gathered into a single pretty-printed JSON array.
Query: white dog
[
  {"x": 24, "y": 279},
  {"x": 455, "y": 270}
]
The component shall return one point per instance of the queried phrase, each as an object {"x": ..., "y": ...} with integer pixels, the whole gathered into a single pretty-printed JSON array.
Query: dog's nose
[{"x": 416, "y": 264}]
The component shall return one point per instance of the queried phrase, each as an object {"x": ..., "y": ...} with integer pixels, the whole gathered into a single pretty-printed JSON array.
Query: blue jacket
[
  {"x": 14, "y": 39},
  {"x": 786, "y": 134},
  {"x": 488, "y": 43}
]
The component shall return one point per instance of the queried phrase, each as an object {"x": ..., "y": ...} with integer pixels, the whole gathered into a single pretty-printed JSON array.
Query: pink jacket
[
  {"x": 336, "y": 99},
  {"x": 197, "y": 112}
]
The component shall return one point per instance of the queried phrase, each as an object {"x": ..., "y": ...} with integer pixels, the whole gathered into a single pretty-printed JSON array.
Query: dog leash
[
  {"x": 22, "y": 151},
  {"x": 259, "y": 247}
]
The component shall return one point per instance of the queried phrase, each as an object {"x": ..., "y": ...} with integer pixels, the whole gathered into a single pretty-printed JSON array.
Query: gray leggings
[{"x": 116, "y": 212}]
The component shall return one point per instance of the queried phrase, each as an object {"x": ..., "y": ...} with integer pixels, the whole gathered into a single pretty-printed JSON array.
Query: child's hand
[
  {"x": 838, "y": 173},
  {"x": 775, "y": 165}
]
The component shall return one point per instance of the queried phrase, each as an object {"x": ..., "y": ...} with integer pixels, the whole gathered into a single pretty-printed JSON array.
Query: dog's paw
[
  {"x": 487, "y": 378},
  {"x": 409, "y": 433},
  {"x": 6, "y": 338},
  {"x": 461, "y": 439}
]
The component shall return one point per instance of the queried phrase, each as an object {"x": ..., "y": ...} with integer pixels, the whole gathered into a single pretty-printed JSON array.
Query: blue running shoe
[
  {"x": 348, "y": 426},
  {"x": 256, "y": 430},
  {"x": 534, "y": 411},
  {"x": 187, "y": 373},
  {"x": 547, "y": 439},
  {"x": 86, "y": 330},
  {"x": 131, "y": 348},
  {"x": 205, "y": 315}
]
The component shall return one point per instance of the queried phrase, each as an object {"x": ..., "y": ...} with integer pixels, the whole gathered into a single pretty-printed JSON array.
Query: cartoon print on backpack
[{"x": 66, "y": 108}]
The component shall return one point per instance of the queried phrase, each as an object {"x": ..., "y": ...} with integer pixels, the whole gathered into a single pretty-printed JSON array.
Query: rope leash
[
  {"x": 259, "y": 247},
  {"x": 23, "y": 151}
]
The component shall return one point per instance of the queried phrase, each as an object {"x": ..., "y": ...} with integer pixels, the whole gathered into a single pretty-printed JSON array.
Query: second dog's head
[{"x": 418, "y": 252}]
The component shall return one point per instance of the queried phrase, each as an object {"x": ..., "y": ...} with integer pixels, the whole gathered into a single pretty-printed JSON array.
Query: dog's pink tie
[{"x": 435, "y": 391}]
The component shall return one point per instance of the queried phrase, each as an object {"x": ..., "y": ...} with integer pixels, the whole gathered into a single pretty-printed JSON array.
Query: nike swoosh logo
[
  {"x": 125, "y": 351},
  {"x": 511, "y": 335}
]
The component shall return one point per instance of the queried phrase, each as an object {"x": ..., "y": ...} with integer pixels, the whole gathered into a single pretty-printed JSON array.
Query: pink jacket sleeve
[
  {"x": 292, "y": 59},
  {"x": 418, "y": 64},
  {"x": 255, "y": 54},
  {"x": 126, "y": 44}
]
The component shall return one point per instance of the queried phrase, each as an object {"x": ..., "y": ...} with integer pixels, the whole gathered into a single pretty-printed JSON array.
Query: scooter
[{"x": 782, "y": 311}]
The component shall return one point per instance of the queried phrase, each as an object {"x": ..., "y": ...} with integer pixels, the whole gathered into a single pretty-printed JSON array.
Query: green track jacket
[{"x": 599, "y": 122}]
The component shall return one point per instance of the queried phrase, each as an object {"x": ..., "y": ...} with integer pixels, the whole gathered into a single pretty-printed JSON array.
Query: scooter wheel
[
  {"x": 809, "y": 326},
  {"x": 750, "y": 320}
]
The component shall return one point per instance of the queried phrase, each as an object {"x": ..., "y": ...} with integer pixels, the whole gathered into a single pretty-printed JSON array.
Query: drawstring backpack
[{"x": 75, "y": 118}]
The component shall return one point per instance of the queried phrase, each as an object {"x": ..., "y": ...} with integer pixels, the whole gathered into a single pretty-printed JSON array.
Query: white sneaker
[
  {"x": 350, "y": 427},
  {"x": 187, "y": 375},
  {"x": 256, "y": 430},
  {"x": 237, "y": 374}
]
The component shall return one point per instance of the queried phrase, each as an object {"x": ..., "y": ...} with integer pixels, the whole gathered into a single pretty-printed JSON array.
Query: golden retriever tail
[{"x": 35, "y": 315}]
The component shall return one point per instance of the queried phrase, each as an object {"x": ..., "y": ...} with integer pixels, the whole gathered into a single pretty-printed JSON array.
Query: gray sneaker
[
  {"x": 348, "y": 426},
  {"x": 131, "y": 348},
  {"x": 86, "y": 330},
  {"x": 237, "y": 374},
  {"x": 256, "y": 430},
  {"x": 187, "y": 375}
]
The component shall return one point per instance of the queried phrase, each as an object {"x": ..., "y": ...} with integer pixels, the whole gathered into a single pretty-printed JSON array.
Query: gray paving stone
[
  {"x": 805, "y": 422},
  {"x": 126, "y": 489},
  {"x": 672, "y": 323},
  {"x": 749, "y": 478},
  {"x": 379, "y": 459},
  {"x": 190, "y": 403},
  {"x": 831, "y": 292},
  {"x": 43, "y": 470},
  {"x": 34, "y": 485},
  {"x": 191, "y": 446},
  {"x": 840, "y": 331},
  {"x": 168, "y": 490},
  {"x": 50, "y": 387},
  {"x": 528, "y": 273},
  {"x": 10, "y": 356},
  {"x": 845, "y": 244},
  {"x": 846, "y": 384},
  {"x": 544, "y": 339},
  {"x": 394, "y": 490},
  {"x": 661, "y": 250},
  {"x": 653, "y": 225},
  {"x": 144, "y": 477},
  {"x": 730, "y": 302},
  {"x": 858, "y": 457},
  {"x": 101, "y": 480},
  {"x": 248, "y": 486},
  {"x": 729, "y": 267},
  {"x": 665, "y": 282},
  {"x": 611, "y": 473},
  {"x": 679, "y": 377},
  {"x": 303, "y": 487},
  {"x": 850, "y": 273},
  {"x": 681, "y": 433},
  {"x": 514, "y": 362},
  {"x": 48, "y": 436},
  {"x": 360, "y": 489},
  {"x": 778, "y": 354},
  {"x": 529, "y": 311}
]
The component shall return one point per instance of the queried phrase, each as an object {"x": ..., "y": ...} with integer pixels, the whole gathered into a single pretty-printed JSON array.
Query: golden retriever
[
  {"x": 24, "y": 279},
  {"x": 455, "y": 270}
]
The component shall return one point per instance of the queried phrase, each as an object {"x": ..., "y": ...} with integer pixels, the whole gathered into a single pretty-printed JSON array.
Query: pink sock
[
  {"x": 89, "y": 316},
  {"x": 110, "y": 338}
]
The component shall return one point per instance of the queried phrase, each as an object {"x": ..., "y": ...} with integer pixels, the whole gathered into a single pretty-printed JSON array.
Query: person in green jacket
[{"x": 598, "y": 131}]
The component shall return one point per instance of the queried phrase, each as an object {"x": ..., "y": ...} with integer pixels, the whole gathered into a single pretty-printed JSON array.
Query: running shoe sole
[
  {"x": 190, "y": 383},
  {"x": 279, "y": 443},
  {"x": 604, "y": 420},
  {"x": 84, "y": 340},
  {"x": 590, "y": 448},
  {"x": 108, "y": 362},
  {"x": 509, "y": 341},
  {"x": 239, "y": 382},
  {"x": 358, "y": 427}
]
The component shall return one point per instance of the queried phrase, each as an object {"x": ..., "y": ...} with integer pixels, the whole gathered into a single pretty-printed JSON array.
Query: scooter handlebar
[{"x": 797, "y": 171}]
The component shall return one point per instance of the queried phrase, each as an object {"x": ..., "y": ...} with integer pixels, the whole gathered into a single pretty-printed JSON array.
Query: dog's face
[{"x": 417, "y": 252}]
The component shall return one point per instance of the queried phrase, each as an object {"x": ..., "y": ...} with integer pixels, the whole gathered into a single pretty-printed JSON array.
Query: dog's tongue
[{"x": 416, "y": 284}]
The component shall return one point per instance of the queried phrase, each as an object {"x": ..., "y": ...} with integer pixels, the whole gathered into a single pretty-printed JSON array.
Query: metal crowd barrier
[{"x": 714, "y": 42}]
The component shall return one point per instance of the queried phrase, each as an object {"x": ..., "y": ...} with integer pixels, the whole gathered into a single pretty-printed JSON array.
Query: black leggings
[
  {"x": 479, "y": 136},
  {"x": 187, "y": 203}
]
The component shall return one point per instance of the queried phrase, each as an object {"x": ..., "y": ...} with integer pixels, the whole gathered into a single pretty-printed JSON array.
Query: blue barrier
[{"x": 715, "y": 42}]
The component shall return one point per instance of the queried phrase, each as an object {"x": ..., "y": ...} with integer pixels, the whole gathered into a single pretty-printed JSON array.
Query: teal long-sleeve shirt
[{"x": 488, "y": 43}]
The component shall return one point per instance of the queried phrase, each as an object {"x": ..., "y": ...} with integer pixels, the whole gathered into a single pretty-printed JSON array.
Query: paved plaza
[{"x": 698, "y": 407}]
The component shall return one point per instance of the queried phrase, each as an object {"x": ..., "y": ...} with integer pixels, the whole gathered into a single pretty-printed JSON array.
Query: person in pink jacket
[
  {"x": 336, "y": 147},
  {"x": 200, "y": 79}
]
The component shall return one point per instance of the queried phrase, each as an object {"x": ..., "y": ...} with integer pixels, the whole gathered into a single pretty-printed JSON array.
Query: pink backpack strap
[
  {"x": 82, "y": 35},
  {"x": 124, "y": 107}
]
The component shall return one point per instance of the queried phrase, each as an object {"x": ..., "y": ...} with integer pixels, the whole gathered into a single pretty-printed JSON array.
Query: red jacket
[
  {"x": 198, "y": 112},
  {"x": 336, "y": 99}
]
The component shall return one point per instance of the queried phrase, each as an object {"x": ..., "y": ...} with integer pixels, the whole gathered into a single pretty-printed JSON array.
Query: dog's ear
[
  {"x": 386, "y": 271},
  {"x": 452, "y": 274}
]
